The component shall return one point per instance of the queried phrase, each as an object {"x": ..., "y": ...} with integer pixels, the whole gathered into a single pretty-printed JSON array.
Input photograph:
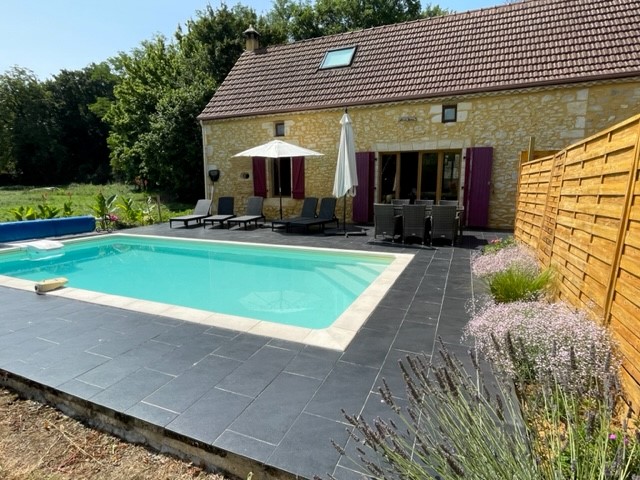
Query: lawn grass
[{"x": 82, "y": 197}]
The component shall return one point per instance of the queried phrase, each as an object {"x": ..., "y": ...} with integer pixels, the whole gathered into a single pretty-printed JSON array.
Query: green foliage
[
  {"x": 581, "y": 437},
  {"x": 454, "y": 427},
  {"x": 67, "y": 209},
  {"x": 132, "y": 214},
  {"x": 48, "y": 133},
  {"x": 517, "y": 283},
  {"x": 78, "y": 199},
  {"x": 23, "y": 213},
  {"x": 103, "y": 209},
  {"x": 154, "y": 136},
  {"x": 47, "y": 211},
  {"x": 498, "y": 244}
]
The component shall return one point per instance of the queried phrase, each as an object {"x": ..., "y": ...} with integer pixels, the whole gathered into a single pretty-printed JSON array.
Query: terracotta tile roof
[{"x": 538, "y": 42}]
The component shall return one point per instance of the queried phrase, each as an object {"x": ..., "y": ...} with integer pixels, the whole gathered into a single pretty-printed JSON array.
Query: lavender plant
[
  {"x": 533, "y": 340},
  {"x": 579, "y": 435},
  {"x": 454, "y": 427}
]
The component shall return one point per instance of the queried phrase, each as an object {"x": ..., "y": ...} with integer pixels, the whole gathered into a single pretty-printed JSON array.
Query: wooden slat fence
[{"x": 579, "y": 210}]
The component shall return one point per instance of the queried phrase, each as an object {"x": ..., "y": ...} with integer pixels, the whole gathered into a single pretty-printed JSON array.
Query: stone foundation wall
[{"x": 556, "y": 117}]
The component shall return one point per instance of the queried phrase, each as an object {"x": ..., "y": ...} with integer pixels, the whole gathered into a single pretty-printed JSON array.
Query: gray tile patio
[{"x": 275, "y": 403}]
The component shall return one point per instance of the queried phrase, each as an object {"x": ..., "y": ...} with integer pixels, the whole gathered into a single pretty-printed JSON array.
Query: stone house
[{"x": 442, "y": 108}]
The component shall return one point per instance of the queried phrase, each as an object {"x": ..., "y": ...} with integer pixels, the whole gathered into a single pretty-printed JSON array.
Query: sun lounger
[
  {"x": 308, "y": 212},
  {"x": 253, "y": 213},
  {"x": 326, "y": 215},
  {"x": 201, "y": 211},
  {"x": 225, "y": 212}
]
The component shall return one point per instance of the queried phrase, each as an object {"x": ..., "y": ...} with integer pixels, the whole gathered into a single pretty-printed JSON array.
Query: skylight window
[{"x": 341, "y": 57}]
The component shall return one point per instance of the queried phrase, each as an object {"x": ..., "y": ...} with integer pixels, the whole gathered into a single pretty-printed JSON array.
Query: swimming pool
[{"x": 285, "y": 292}]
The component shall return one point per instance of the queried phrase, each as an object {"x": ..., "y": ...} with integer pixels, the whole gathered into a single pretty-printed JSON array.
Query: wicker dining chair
[
  {"x": 413, "y": 222},
  {"x": 444, "y": 222},
  {"x": 385, "y": 221}
]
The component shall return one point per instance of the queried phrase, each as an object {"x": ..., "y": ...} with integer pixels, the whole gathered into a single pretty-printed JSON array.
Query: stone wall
[{"x": 556, "y": 117}]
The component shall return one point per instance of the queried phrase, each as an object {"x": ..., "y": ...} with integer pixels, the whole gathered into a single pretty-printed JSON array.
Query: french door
[{"x": 419, "y": 175}]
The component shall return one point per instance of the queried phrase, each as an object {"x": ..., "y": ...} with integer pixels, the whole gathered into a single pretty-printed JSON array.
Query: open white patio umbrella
[
  {"x": 346, "y": 179},
  {"x": 278, "y": 149}
]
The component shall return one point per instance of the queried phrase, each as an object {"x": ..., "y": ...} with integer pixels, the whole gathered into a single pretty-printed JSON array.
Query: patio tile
[
  {"x": 369, "y": 348},
  {"x": 185, "y": 357},
  {"x": 22, "y": 350},
  {"x": 131, "y": 389},
  {"x": 130, "y": 339},
  {"x": 242, "y": 346},
  {"x": 59, "y": 372},
  {"x": 273, "y": 412},
  {"x": 79, "y": 389},
  {"x": 257, "y": 372},
  {"x": 118, "y": 368},
  {"x": 244, "y": 445},
  {"x": 151, "y": 414},
  {"x": 307, "y": 450},
  {"x": 206, "y": 419},
  {"x": 345, "y": 388},
  {"x": 313, "y": 362},
  {"x": 183, "y": 334},
  {"x": 184, "y": 390},
  {"x": 415, "y": 337},
  {"x": 386, "y": 318}
]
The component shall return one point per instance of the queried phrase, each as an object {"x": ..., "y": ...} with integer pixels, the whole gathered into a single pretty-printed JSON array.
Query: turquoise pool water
[{"x": 307, "y": 288}]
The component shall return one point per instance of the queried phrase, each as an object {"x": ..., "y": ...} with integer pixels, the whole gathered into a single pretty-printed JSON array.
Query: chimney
[{"x": 251, "y": 39}]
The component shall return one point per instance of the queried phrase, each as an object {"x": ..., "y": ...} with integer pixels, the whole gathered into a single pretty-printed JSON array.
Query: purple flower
[
  {"x": 485, "y": 265},
  {"x": 612, "y": 436},
  {"x": 557, "y": 339}
]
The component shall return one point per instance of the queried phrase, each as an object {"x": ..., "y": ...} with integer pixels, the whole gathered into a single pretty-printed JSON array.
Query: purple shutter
[
  {"x": 297, "y": 174},
  {"x": 477, "y": 189},
  {"x": 363, "y": 201},
  {"x": 259, "y": 176}
]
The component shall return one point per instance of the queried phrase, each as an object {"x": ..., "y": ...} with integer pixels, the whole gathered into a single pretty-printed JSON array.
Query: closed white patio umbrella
[
  {"x": 278, "y": 149},
  {"x": 346, "y": 179}
]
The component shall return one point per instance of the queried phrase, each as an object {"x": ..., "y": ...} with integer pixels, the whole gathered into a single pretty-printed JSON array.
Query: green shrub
[
  {"x": 514, "y": 284},
  {"x": 454, "y": 427},
  {"x": 581, "y": 437}
]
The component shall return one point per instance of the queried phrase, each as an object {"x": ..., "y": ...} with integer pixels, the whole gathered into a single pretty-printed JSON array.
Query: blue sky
[{"x": 47, "y": 36}]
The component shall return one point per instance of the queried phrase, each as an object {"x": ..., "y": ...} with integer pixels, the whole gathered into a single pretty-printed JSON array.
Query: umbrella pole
[
  {"x": 344, "y": 214},
  {"x": 280, "y": 186}
]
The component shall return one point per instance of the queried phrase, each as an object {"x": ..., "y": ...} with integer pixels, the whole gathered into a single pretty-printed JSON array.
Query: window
[
  {"x": 279, "y": 129},
  {"x": 449, "y": 113},
  {"x": 281, "y": 176},
  {"x": 341, "y": 57}
]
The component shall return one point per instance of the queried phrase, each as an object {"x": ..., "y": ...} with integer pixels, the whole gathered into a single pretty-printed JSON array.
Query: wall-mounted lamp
[
  {"x": 214, "y": 174},
  {"x": 244, "y": 176}
]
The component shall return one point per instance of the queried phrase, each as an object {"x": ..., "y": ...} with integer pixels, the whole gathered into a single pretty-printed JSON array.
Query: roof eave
[{"x": 444, "y": 94}]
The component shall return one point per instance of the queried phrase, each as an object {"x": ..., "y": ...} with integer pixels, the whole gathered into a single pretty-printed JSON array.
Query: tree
[
  {"x": 154, "y": 135},
  {"x": 27, "y": 136},
  {"x": 328, "y": 17},
  {"x": 77, "y": 105}
]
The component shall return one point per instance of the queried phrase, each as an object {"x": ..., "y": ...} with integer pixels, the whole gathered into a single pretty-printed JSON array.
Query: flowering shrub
[
  {"x": 485, "y": 265},
  {"x": 540, "y": 339}
]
